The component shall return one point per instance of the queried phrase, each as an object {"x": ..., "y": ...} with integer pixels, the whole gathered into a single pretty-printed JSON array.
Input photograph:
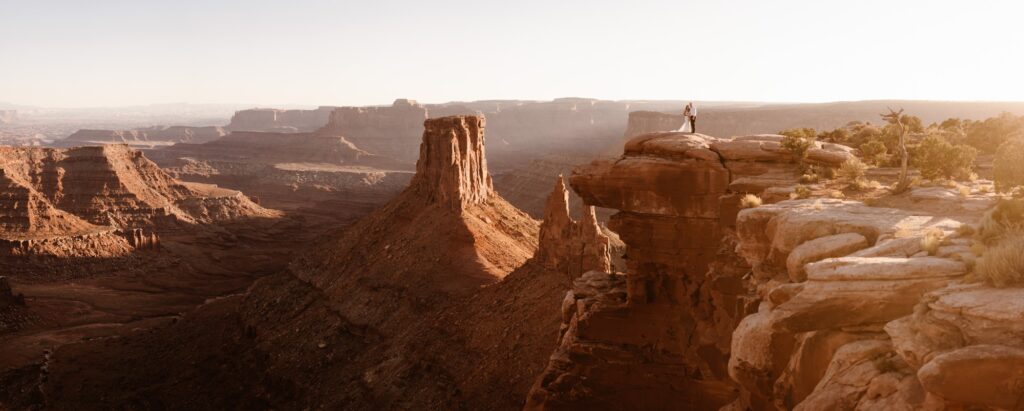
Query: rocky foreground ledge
[{"x": 801, "y": 304}]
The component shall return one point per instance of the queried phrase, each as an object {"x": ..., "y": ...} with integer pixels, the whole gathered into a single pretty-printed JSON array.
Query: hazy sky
[{"x": 103, "y": 53}]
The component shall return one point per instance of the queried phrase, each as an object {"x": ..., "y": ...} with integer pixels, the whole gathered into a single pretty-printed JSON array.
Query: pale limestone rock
[{"x": 884, "y": 269}]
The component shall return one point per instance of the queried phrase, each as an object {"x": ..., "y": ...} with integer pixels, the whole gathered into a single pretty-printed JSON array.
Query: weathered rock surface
[
  {"x": 661, "y": 339},
  {"x": 885, "y": 326},
  {"x": 820, "y": 249},
  {"x": 568, "y": 246}
]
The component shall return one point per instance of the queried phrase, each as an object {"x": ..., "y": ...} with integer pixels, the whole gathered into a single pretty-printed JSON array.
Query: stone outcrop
[
  {"x": 269, "y": 119},
  {"x": 659, "y": 337},
  {"x": 568, "y": 246},
  {"x": 452, "y": 167},
  {"x": 854, "y": 315}
]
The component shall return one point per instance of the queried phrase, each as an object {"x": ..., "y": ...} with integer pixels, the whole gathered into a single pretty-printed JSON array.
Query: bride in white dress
[{"x": 686, "y": 128}]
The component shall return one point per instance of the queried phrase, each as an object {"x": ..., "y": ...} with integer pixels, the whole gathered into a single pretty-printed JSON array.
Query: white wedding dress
[{"x": 686, "y": 126}]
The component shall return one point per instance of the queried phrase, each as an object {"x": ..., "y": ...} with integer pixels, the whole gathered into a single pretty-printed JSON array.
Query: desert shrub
[
  {"x": 989, "y": 134},
  {"x": 798, "y": 140},
  {"x": 852, "y": 170},
  {"x": 964, "y": 191},
  {"x": 1008, "y": 166},
  {"x": 864, "y": 134},
  {"x": 1003, "y": 220},
  {"x": 800, "y": 192},
  {"x": 822, "y": 171},
  {"x": 964, "y": 230},
  {"x": 932, "y": 240},
  {"x": 873, "y": 151},
  {"x": 750, "y": 201},
  {"x": 839, "y": 135},
  {"x": 936, "y": 158},
  {"x": 1002, "y": 265}
]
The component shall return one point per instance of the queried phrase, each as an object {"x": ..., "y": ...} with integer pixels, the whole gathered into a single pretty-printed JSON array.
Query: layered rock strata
[
  {"x": 659, "y": 337},
  {"x": 856, "y": 313},
  {"x": 94, "y": 199}
]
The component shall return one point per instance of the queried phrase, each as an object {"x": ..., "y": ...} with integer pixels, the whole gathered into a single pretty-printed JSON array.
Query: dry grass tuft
[
  {"x": 1002, "y": 265},
  {"x": 750, "y": 201},
  {"x": 965, "y": 191},
  {"x": 800, "y": 192},
  {"x": 1003, "y": 220},
  {"x": 932, "y": 240}
]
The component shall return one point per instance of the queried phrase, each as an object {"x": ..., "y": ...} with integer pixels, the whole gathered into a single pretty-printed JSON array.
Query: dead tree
[{"x": 896, "y": 118}]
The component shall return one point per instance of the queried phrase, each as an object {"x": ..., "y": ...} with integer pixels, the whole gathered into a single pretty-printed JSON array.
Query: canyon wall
[
  {"x": 269, "y": 119},
  {"x": 659, "y": 337}
]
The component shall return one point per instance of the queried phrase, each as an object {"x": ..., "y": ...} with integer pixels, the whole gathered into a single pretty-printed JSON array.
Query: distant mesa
[
  {"x": 111, "y": 197},
  {"x": 271, "y": 119},
  {"x": 153, "y": 135}
]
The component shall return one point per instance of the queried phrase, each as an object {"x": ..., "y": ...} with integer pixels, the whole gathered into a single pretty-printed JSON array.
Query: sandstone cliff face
[
  {"x": 452, "y": 168},
  {"x": 659, "y": 337}
]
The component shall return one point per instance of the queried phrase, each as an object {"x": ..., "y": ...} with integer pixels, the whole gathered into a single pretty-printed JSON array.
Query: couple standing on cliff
[{"x": 689, "y": 119}]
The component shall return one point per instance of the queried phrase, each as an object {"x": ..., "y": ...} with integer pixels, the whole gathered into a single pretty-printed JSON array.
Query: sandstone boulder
[
  {"x": 978, "y": 375},
  {"x": 821, "y": 248}
]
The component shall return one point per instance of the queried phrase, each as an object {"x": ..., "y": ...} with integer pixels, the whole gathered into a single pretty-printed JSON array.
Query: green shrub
[
  {"x": 935, "y": 158},
  {"x": 989, "y": 134},
  {"x": 750, "y": 201},
  {"x": 1003, "y": 220},
  {"x": 1008, "y": 167},
  {"x": 1002, "y": 265},
  {"x": 852, "y": 170},
  {"x": 798, "y": 140},
  {"x": 839, "y": 135},
  {"x": 874, "y": 151}
]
